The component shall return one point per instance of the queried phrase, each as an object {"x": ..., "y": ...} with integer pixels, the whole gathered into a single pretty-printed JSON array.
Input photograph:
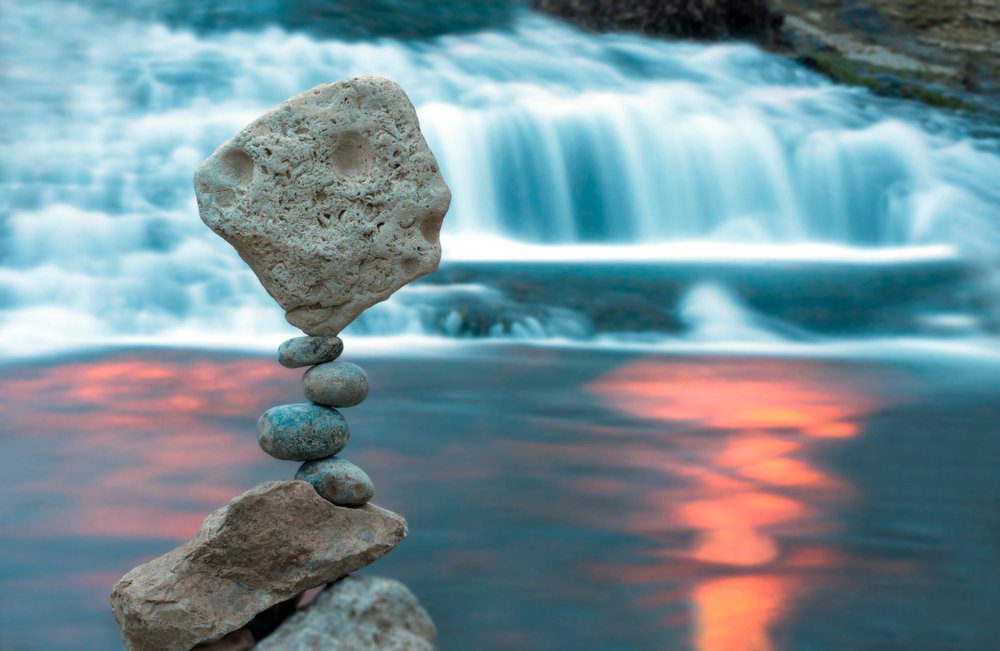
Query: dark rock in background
[
  {"x": 945, "y": 53},
  {"x": 698, "y": 19},
  {"x": 347, "y": 19}
]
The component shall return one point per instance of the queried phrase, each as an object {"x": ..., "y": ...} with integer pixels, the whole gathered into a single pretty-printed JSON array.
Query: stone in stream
[
  {"x": 338, "y": 480},
  {"x": 336, "y": 384},
  {"x": 360, "y": 613},
  {"x": 333, "y": 198},
  {"x": 266, "y": 546},
  {"x": 301, "y": 432},
  {"x": 309, "y": 351}
]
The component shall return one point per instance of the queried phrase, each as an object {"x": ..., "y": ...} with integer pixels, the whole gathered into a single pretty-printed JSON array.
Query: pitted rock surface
[
  {"x": 266, "y": 546},
  {"x": 358, "y": 613},
  {"x": 333, "y": 198}
]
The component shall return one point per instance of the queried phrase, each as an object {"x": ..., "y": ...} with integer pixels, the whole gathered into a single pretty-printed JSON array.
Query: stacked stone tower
[
  {"x": 316, "y": 432},
  {"x": 334, "y": 201}
]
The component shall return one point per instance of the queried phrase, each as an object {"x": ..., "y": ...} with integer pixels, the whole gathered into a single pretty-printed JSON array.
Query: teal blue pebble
[
  {"x": 302, "y": 432},
  {"x": 338, "y": 481}
]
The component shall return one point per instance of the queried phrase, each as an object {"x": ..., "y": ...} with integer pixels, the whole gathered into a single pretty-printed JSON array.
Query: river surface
[{"x": 557, "y": 498}]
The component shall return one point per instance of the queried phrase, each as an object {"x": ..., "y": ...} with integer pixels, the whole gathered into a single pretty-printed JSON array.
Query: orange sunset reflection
[
  {"x": 140, "y": 446},
  {"x": 741, "y": 436}
]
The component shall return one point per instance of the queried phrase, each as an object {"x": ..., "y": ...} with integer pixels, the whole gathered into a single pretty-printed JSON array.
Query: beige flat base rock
[{"x": 267, "y": 545}]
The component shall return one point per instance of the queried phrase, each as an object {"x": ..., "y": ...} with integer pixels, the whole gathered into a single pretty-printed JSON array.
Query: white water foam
[{"x": 558, "y": 145}]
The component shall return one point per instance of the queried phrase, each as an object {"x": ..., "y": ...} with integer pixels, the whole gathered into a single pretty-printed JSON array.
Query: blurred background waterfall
[{"x": 607, "y": 188}]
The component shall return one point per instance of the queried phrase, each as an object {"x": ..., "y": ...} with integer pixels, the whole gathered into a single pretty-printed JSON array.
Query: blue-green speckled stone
[
  {"x": 307, "y": 351},
  {"x": 338, "y": 481},
  {"x": 336, "y": 384},
  {"x": 301, "y": 432}
]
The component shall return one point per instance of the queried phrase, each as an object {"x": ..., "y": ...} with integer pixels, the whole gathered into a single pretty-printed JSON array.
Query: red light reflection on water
[
  {"x": 138, "y": 446},
  {"x": 741, "y": 434}
]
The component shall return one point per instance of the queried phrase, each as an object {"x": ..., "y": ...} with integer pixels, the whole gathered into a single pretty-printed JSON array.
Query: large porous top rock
[
  {"x": 359, "y": 613},
  {"x": 267, "y": 545},
  {"x": 333, "y": 198}
]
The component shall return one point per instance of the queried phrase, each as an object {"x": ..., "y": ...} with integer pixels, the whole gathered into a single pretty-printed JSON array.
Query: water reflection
[
  {"x": 750, "y": 498},
  {"x": 556, "y": 499},
  {"x": 138, "y": 446}
]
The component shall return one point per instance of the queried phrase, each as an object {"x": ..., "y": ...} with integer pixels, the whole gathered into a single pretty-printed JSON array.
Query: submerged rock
[
  {"x": 338, "y": 480},
  {"x": 308, "y": 351},
  {"x": 301, "y": 432},
  {"x": 336, "y": 384},
  {"x": 333, "y": 198},
  {"x": 266, "y": 546},
  {"x": 358, "y": 613}
]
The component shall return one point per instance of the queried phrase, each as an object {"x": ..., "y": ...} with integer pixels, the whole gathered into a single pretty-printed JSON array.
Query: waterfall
[{"x": 557, "y": 145}]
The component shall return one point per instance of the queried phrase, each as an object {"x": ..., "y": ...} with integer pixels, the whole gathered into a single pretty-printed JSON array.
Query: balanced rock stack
[
  {"x": 316, "y": 432},
  {"x": 335, "y": 201}
]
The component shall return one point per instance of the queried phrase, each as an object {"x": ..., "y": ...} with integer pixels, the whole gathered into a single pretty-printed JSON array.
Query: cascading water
[{"x": 716, "y": 166}]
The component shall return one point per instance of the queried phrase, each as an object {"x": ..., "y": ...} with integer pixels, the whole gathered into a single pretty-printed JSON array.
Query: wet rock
[
  {"x": 333, "y": 198},
  {"x": 945, "y": 53},
  {"x": 336, "y": 384},
  {"x": 700, "y": 19},
  {"x": 301, "y": 432},
  {"x": 308, "y": 351},
  {"x": 266, "y": 546},
  {"x": 358, "y": 613},
  {"x": 338, "y": 480}
]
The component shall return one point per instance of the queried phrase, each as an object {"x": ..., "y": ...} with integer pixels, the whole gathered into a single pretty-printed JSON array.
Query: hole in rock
[
  {"x": 411, "y": 265},
  {"x": 430, "y": 229},
  {"x": 238, "y": 166},
  {"x": 352, "y": 155}
]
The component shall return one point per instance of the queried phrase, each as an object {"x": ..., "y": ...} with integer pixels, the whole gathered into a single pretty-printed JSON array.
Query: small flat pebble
[
  {"x": 302, "y": 432},
  {"x": 338, "y": 481},
  {"x": 308, "y": 351},
  {"x": 336, "y": 384}
]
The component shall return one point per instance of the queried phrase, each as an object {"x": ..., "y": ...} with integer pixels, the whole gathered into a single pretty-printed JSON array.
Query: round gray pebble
[
  {"x": 338, "y": 481},
  {"x": 336, "y": 384},
  {"x": 302, "y": 432},
  {"x": 307, "y": 351}
]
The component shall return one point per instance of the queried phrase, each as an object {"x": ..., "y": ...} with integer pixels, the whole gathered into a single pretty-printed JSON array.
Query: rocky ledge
[
  {"x": 942, "y": 52},
  {"x": 945, "y": 53}
]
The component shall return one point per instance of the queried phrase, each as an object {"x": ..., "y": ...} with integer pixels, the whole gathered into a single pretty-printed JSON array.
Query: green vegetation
[{"x": 847, "y": 71}]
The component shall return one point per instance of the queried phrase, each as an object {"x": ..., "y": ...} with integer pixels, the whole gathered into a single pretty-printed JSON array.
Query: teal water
[{"x": 563, "y": 499}]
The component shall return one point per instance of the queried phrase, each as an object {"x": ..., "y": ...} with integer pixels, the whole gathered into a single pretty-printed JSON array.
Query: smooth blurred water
[
  {"x": 557, "y": 144},
  {"x": 557, "y": 499}
]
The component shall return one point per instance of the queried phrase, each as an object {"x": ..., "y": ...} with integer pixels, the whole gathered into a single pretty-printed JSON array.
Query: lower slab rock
[
  {"x": 267, "y": 545},
  {"x": 358, "y": 613}
]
